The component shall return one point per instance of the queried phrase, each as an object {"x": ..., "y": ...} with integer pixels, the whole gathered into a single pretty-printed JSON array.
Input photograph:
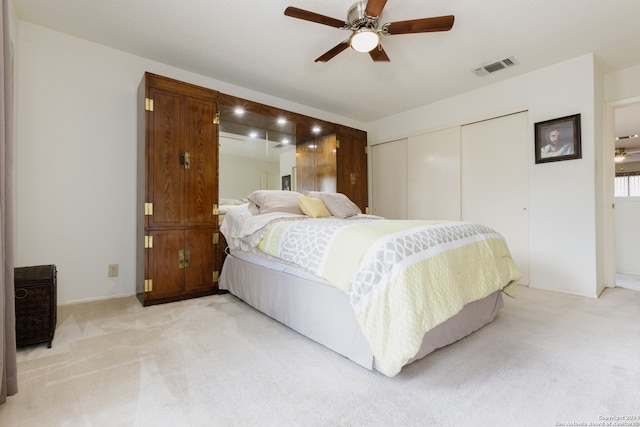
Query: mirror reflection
[
  {"x": 256, "y": 153},
  {"x": 265, "y": 148}
]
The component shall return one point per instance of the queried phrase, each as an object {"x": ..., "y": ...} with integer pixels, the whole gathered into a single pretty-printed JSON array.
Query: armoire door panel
[
  {"x": 305, "y": 176},
  {"x": 201, "y": 177},
  {"x": 325, "y": 163},
  {"x": 165, "y": 270},
  {"x": 351, "y": 174},
  {"x": 202, "y": 259},
  {"x": 164, "y": 151}
]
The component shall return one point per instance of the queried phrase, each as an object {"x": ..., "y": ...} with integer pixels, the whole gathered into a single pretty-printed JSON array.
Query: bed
[{"x": 382, "y": 293}]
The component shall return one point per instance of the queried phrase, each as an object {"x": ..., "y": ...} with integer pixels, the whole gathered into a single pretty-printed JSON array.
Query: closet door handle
[{"x": 21, "y": 293}]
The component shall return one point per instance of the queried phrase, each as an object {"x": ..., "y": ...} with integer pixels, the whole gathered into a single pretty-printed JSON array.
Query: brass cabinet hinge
[
  {"x": 216, "y": 118},
  {"x": 216, "y": 276},
  {"x": 337, "y": 143},
  {"x": 366, "y": 149},
  {"x": 148, "y": 285},
  {"x": 148, "y": 242},
  {"x": 216, "y": 238},
  {"x": 216, "y": 211},
  {"x": 353, "y": 178},
  {"x": 366, "y": 210},
  {"x": 148, "y": 104},
  {"x": 148, "y": 208}
]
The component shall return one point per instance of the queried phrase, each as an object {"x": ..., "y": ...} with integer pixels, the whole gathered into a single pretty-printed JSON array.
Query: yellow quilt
[{"x": 402, "y": 278}]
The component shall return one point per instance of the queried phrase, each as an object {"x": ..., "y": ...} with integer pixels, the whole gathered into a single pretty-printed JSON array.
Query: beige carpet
[
  {"x": 628, "y": 281},
  {"x": 547, "y": 359}
]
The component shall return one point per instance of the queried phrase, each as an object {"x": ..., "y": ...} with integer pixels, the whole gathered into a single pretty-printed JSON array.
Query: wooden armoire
[
  {"x": 179, "y": 247},
  {"x": 177, "y": 238}
]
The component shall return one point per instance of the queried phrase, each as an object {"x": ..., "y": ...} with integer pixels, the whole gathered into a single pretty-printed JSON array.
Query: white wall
[
  {"x": 562, "y": 195},
  {"x": 239, "y": 176},
  {"x": 75, "y": 157},
  {"x": 622, "y": 84}
]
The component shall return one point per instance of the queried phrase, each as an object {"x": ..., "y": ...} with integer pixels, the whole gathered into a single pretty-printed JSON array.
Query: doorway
[{"x": 626, "y": 117}]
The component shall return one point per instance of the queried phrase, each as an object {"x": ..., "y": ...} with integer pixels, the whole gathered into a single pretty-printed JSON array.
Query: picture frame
[
  {"x": 286, "y": 182},
  {"x": 558, "y": 139}
]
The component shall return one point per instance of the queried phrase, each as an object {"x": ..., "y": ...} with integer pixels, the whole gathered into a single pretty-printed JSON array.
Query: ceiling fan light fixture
[
  {"x": 364, "y": 40},
  {"x": 620, "y": 155}
]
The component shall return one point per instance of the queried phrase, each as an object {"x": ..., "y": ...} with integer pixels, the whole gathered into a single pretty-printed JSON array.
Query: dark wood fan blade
[
  {"x": 424, "y": 25},
  {"x": 294, "y": 12},
  {"x": 333, "y": 52},
  {"x": 374, "y": 7},
  {"x": 378, "y": 54}
]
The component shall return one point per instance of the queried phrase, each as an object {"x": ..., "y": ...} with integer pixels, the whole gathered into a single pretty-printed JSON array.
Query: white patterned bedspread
[{"x": 401, "y": 277}]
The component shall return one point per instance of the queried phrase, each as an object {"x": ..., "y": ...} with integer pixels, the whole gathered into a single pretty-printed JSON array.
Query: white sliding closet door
[
  {"x": 495, "y": 184},
  {"x": 434, "y": 175},
  {"x": 389, "y": 179}
]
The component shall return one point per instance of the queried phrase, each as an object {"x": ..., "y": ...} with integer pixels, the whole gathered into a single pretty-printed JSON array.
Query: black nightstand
[{"x": 36, "y": 308}]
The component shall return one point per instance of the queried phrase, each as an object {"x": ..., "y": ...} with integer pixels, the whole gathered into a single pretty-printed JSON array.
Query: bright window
[{"x": 628, "y": 185}]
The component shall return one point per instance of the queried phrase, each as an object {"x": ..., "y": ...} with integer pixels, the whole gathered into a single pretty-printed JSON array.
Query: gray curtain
[{"x": 8, "y": 370}]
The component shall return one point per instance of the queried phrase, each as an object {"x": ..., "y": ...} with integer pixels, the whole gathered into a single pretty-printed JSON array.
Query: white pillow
[
  {"x": 232, "y": 202},
  {"x": 265, "y": 201},
  {"x": 314, "y": 194}
]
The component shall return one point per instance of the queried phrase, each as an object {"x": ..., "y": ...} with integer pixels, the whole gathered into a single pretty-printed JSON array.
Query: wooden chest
[{"x": 35, "y": 299}]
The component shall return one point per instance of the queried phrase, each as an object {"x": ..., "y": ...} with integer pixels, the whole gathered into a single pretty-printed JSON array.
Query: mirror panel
[{"x": 263, "y": 147}]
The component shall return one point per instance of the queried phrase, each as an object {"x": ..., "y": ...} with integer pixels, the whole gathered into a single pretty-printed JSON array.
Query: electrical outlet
[{"x": 113, "y": 270}]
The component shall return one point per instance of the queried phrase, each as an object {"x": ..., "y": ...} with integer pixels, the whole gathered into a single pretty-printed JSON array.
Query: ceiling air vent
[{"x": 496, "y": 66}]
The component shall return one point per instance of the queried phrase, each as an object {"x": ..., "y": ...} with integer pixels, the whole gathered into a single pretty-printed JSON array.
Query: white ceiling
[{"x": 252, "y": 44}]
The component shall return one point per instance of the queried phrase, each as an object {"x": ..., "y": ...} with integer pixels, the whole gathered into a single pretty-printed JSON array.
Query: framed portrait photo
[
  {"x": 286, "y": 182},
  {"x": 558, "y": 139}
]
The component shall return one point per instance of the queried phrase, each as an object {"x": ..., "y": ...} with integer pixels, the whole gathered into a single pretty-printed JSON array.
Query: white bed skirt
[{"x": 322, "y": 313}]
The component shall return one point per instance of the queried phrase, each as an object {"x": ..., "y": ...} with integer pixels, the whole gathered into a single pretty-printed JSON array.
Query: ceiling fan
[
  {"x": 363, "y": 21},
  {"x": 622, "y": 153}
]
